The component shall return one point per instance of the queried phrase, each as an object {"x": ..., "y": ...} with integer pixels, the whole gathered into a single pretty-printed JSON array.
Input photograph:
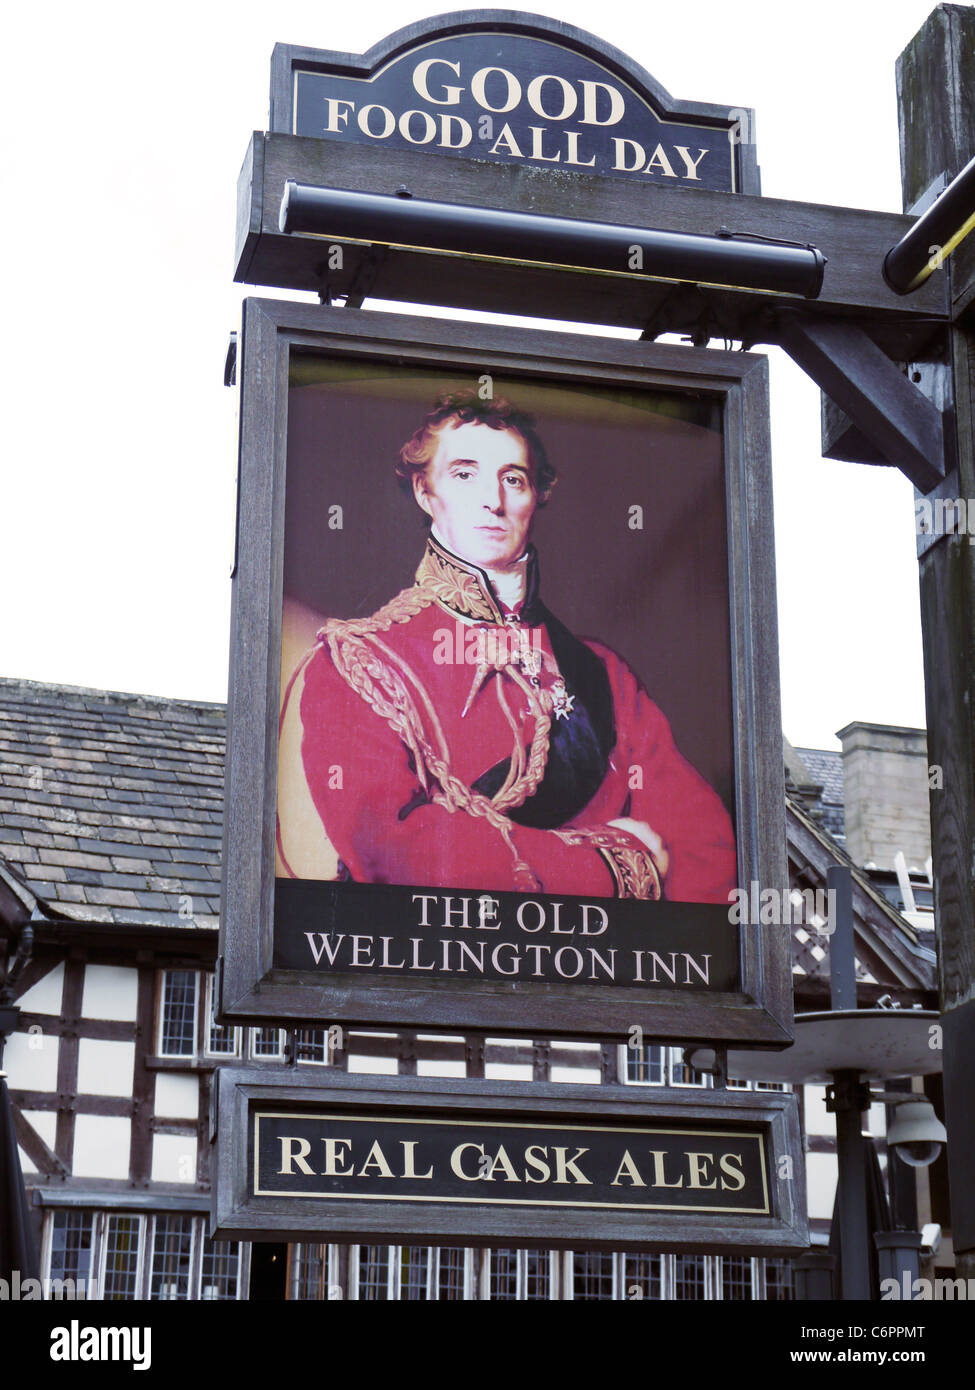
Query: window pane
[
  {"x": 220, "y": 1272},
  {"x": 689, "y": 1276},
  {"x": 309, "y": 1267},
  {"x": 178, "y": 1028},
  {"x": 374, "y": 1271},
  {"x": 450, "y": 1279},
  {"x": 71, "y": 1239},
  {"x": 504, "y": 1274},
  {"x": 736, "y": 1277},
  {"x": 312, "y": 1045},
  {"x": 643, "y": 1276},
  {"x": 172, "y": 1248},
  {"x": 122, "y": 1235},
  {"x": 538, "y": 1274},
  {"x": 414, "y": 1263},
  {"x": 683, "y": 1075},
  {"x": 778, "y": 1280},
  {"x": 221, "y": 1038},
  {"x": 267, "y": 1042},
  {"x": 592, "y": 1275},
  {"x": 645, "y": 1065}
]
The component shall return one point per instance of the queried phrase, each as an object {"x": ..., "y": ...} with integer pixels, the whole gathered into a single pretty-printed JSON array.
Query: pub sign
[
  {"x": 496, "y": 1163},
  {"x": 502, "y": 683},
  {"x": 515, "y": 89}
]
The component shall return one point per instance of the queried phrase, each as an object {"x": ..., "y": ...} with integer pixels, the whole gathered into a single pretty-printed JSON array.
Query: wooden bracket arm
[{"x": 885, "y": 406}]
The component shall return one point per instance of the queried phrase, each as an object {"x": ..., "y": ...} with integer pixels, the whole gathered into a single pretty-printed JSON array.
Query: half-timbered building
[{"x": 110, "y": 828}]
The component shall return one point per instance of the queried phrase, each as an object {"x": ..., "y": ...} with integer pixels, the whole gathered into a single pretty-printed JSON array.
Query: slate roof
[
  {"x": 111, "y": 804},
  {"x": 826, "y": 769},
  {"x": 111, "y": 811}
]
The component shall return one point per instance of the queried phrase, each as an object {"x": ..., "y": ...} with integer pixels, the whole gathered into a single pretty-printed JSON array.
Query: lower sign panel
[{"x": 484, "y": 1163}]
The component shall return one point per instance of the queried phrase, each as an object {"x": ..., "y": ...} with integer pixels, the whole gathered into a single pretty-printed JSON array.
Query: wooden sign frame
[
  {"x": 515, "y": 1115},
  {"x": 759, "y": 1011}
]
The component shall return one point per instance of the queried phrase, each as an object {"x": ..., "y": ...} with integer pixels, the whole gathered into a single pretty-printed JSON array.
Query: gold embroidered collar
[{"x": 462, "y": 588}]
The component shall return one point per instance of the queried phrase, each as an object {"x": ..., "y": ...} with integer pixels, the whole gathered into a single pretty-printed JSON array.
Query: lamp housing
[
  {"x": 917, "y": 1135},
  {"x": 726, "y": 260}
]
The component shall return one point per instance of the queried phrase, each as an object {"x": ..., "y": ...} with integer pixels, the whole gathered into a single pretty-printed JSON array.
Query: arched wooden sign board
[{"x": 519, "y": 89}]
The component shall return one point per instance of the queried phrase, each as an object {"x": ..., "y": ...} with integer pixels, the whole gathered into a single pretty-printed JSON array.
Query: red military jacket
[{"x": 449, "y": 744}]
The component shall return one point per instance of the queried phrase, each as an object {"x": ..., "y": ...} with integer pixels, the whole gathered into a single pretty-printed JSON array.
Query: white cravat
[{"x": 510, "y": 586}]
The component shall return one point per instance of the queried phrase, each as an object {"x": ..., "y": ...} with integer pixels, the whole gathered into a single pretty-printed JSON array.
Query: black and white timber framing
[{"x": 110, "y": 815}]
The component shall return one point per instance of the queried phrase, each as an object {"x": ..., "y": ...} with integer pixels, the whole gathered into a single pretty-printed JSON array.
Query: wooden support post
[{"x": 936, "y": 100}]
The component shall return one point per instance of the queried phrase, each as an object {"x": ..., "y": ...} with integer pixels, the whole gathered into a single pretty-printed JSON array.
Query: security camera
[
  {"x": 930, "y": 1240},
  {"x": 917, "y": 1135}
]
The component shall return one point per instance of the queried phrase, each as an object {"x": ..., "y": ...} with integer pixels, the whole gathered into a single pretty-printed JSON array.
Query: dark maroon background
[{"x": 659, "y": 596}]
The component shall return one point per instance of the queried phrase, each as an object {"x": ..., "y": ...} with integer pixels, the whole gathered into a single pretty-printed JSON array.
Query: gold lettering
[
  {"x": 502, "y": 1161},
  {"x": 337, "y": 119},
  {"x": 692, "y": 164},
  {"x": 628, "y": 1169},
  {"x": 658, "y": 160},
  {"x": 620, "y": 158},
  {"x": 537, "y": 152},
  {"x": 478, "y": 84},
  {"x": 569, "y": 98},
  {"x": 659, "y": 1176},
  {"x": 697, "y": 1164},
  {"x": 509, "y": 145},
  {"x": 451, "y": 95},
  {"x": 538, "y": 1164},
  {"x": 409, "y": 1160},
  {"x": 464, "y": 132},
  {"x": 616, "y": 104},
  {"x": 728, "y": 1168},
  {"x": 333, "y": 1158},
  {"x": 295, "y": 1150},
  {"x": 456, "y": 1161},
  {"x": 563, "y": 1164},
  {"x": 375, "y": 1158}
]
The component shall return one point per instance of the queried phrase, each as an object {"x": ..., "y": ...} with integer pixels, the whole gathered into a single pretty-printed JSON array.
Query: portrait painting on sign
[{"x": 505, "y": 637}]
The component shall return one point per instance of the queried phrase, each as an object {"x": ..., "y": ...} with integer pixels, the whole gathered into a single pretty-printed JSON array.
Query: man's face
[{"x": 479, "y": 488}]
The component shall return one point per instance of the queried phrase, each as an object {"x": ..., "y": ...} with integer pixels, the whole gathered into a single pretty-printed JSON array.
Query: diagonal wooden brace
[{"x": 872, "y": 390}]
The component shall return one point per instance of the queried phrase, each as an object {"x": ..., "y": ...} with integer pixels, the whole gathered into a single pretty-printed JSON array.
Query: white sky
[{"x": 125, "y": 129}]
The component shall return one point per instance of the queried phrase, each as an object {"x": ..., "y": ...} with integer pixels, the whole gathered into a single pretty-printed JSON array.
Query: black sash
[{"x": 579, "y": 746}]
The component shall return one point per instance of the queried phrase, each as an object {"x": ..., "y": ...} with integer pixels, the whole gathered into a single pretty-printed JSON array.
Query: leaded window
[
  {"x": 220, "y": 1271},
  {"x": 414, "y": 1272},
  {"x": 172, "y": 1253},
  {"x": 373, "y": 1272},
  {"x": 71, "y": 1247},
  {"x": 643, "y": 1275},
  {"x": 223, "y": 1040},
  {"x": 177, "y": 1014},
  {"x": 451, "y": 1273},
  {"x": 121, "y": 1266},
  {"x": 736, "y": 1278},
  {"x": 267, "y": 1043},
  {"x": 593, "y": 1275}
]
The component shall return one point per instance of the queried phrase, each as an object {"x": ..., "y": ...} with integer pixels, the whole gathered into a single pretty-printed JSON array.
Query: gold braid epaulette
[
  {"x": 383, "y": 680},
  {"x": 634, "y": 871}
]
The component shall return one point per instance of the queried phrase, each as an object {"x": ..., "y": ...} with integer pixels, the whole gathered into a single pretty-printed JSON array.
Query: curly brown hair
[{"x": 466, "y": 407}]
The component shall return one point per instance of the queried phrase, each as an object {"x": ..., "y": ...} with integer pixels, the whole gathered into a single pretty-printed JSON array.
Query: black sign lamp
[
  {"x": 728, "y": 259},
  {"x": 934, "y": 236}
]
